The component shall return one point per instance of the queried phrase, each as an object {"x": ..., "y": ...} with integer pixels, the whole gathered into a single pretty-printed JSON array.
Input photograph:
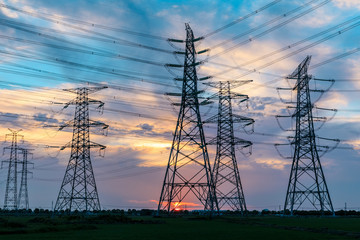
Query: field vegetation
[{"x": 143, "y": 224}]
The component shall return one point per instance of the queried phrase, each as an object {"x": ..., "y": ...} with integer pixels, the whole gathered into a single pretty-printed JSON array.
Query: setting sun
[{"x": 177, "y": 206}]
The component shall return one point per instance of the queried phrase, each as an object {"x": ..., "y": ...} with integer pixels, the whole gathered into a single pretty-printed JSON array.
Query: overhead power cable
[
  {"x": 107, "y": 39},
  {"x": 76, "y": 66},
  {"x": 290, "y": 46},
  {"x": 258, "y": 27},
  {"x": 270, "y": 29},
  {"x": 88, "y": 52},
  {"x": 241, "y": 19},
  {"x": 62, "y": 20},
  {"x": 59, "y": 77},
  {"x": 336, "y": 58},
  {"x": 266, "y": 84},
  {"x": 302, "y": 49},
  {"x": 95, "y": 68}
]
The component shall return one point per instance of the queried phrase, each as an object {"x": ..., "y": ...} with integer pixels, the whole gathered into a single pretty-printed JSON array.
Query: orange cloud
[{"x": 273, "y": 163}]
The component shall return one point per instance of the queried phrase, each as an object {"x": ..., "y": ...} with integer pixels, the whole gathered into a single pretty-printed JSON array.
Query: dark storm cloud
[
  {"x": 146, "y": 127},
  {"x": 11, "y": 116},
  {"x": 43, "y": 117}
]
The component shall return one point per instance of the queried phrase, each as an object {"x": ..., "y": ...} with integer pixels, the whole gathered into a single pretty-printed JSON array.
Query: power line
[
  {"x": 264, "y": 24},
  {"x": 94, "y": 68},
  {"x": 110, "y": 39},
  {"x": 88, "y": 52},
  {"x": 290, "y": 46},
  {"x": 241, "y": 19},
  {"x": 302, "y": 49},
  {"x": 76, "y": 80},
  {"x": 61, "y": 20},
  {"x": 271, "y": 29},
  {"x": 336, "y": 58}
]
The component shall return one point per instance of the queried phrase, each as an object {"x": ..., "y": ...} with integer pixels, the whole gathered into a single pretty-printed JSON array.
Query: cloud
[
  {"x": 11, "y": 116},
  {"x": 334, "y": 99},
  {"x": 7, "y": 12},
  {"x": 138, "y": 146},
  {"x": 273, "y": 163},
  {"x": 319, "y": 19},
  {"x": 142, "y": 202},
  {"x": 146, "y": 127},
  {"x": 355, "y": 144},
  {"x": 347, "y": 3},
  {"x": 43, "y": 117},
  {"x": 354, "y": 69}
]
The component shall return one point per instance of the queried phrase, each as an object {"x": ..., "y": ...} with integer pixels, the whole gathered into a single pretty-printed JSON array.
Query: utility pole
[
  {"x": 307, "y": 180},
  {"x": 23, "y": 199},
  {"x": 188, "y": 171},
  {"x": 11, "y": 201},
  {"x": 78, "y": 189},
  {"x": 229, "y": 191},
  {"x": 345, "y": 208}
]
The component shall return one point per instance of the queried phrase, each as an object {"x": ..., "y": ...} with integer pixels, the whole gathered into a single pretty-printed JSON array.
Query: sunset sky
[{"x": 47, "y": 46}]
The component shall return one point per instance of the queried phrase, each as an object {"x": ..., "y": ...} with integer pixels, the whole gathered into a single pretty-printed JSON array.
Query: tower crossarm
[
  {"x": 241, "y": 119},
  {"x": 89, "y": 89}
]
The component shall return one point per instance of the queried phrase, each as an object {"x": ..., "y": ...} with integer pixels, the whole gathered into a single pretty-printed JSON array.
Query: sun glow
[{"x": 177, "y": 206}]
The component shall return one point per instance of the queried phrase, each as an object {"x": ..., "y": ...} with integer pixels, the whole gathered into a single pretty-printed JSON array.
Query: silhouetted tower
[
  {"x": 78, "y": 189},
  {"x": 188, "y": 170},
  {"x": 11, "y": 201},
  {"x": 229, "y": 191},
  {"x": 23, "y": 199},
  {"x": 307, "y": 180}
]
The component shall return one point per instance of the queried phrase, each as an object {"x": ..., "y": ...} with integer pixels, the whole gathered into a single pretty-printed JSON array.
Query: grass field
[{"x": 185, "y": 228}]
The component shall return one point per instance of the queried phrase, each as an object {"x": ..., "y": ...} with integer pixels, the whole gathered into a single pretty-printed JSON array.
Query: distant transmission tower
[
  {"x": 78, "y": 189},
  {"x": 23, "y": 199},
  {"x": 188, "y": 170},
  {"x": 11, "y": 201},
  {"x": 307, "y": 180},
  {"x": 229, "y": 191}
]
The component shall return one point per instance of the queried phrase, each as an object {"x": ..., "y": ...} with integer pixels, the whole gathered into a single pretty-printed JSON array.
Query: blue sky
[{"x": 40, "y": 57}]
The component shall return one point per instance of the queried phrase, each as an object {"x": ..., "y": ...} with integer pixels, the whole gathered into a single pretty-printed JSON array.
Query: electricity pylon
[
  {"x": 188, "y": 170},
  {"x": 11, "y": 202},
  {"x": 307, "y": 180},
  {"x": 23, "y": 199},
  {"x": 229, "y": 191},
  {"x": 78, "y": 189}
]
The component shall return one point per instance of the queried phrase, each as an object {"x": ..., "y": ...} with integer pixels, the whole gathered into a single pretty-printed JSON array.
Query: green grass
[{"x": 184, "y": 228}]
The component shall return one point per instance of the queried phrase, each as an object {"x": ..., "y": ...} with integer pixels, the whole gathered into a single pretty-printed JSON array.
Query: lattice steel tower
[
  {"x": 229, "y": 191},
  {"x": 23, "y": 199},
  {"x": 307, "y": 180},
  {"x": 11, "y": 202},
  {"x": 78, "y": 189},
  {"x": 188, "y": 170}
]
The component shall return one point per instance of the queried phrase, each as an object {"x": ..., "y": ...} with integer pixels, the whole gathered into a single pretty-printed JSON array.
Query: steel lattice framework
[
  {"x": 229, "y": 191},
  {"x": 188, "y": 170},
  {"x": 307, "y": 180},
  {"x": 78, "y": 189},
  {"x": 11, "y": 200},
  {"x": 23, "y": 199}
]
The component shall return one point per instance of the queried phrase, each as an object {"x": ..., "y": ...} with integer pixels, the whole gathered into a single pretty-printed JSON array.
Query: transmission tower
[
  {"x": 11, "y": 201},
  {"x": 307, "y": 180},
  {"x": 229, "y": 191},
  {"x": 78, "y": 189},
  {"x": 23, "y": 199},
  {"x": 188, "y": 170}
]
